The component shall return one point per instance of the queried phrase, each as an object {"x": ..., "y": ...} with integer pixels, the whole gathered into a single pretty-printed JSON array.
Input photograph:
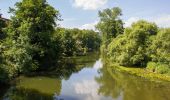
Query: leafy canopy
[{"x": 110, "y": 24}]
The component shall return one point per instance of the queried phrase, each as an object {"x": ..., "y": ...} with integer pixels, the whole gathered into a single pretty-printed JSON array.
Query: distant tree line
[{"x": 78, "y": 42}]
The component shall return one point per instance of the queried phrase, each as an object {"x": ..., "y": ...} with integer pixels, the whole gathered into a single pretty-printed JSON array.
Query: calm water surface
[{"x": 85, "y": 78}]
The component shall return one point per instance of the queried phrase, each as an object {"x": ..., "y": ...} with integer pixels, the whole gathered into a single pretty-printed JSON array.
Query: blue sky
[{"x": 84, "y": 13}]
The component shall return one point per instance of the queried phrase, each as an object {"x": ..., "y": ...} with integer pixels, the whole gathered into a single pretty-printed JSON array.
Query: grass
[{"x": 142, "y": 72}]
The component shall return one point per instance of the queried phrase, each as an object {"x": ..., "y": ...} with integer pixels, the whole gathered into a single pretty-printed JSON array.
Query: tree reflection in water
[
  {"x": 108, "y": 84},
  {"x": 47, "y": 86},
  {"x": 123, "y": 86}
]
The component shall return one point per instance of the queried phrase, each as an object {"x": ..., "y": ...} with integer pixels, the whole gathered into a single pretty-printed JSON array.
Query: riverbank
[{"x": 141, "y": 72}]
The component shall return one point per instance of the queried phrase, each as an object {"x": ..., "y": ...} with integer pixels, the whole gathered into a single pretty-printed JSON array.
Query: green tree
[
  {"x": 87, "y": 39},
  {"x": 161, "y": 47},
  {"x": 110, "y": 24},
  {"x": 160, "y": 52},
  {"x": 78, "y": 42},
  {"x": 29, "y": 45},
  {"x": 91, "y": 40},
  {"x": 131, "y": 48},
  {"x": 68, "y": 42}
]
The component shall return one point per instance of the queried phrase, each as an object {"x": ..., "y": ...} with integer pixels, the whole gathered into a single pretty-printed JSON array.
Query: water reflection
[
  {"x": 55, "y": 85},
  {"x": 88, "y": 88},
  {"x": 85, "y": 78},
  {"x": 98, "y": 64},
  {"x": 83, "y": 85},
  {"x": 128, "y": 87}
]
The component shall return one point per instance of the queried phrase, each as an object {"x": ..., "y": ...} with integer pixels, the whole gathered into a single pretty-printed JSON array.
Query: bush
[
  {"x": 151, "y": 66},
  {"x": 160, "y": 48},
  {"x": 130, "y": 49},
  {"x": 160, "y": 68}
]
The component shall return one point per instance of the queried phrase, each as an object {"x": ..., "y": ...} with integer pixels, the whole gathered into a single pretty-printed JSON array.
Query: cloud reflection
[
  {"x": 98, "y": 64},
  {"x": 88, "y": 88}
]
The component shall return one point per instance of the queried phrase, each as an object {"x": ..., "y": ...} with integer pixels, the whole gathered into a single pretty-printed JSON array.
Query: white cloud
[
  {"x": 69, "y": 23},
  {"x": 90, "y": 26},
  {"x": 161, "y": 21},
  {"x": 89, "y": 4}
]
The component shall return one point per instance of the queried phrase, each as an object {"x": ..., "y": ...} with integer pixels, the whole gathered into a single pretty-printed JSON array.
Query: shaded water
[{"x": 85, "y": 78}]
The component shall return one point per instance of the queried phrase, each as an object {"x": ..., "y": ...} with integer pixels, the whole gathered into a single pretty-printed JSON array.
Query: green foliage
[
  {"x": 161, "y": 47},
  {"x": 88, "y": 39},
  {"x": 160, "y": 52},
  {"x": 130, "y": 49},
  {"x": 30, "y": 45},
  {"x": 139, "y": 44},
  {"x": 163, "y": 69},
  {"x": 142, "y": 45},
  {"x": 158, "y": 68},
  {"x": 151, "y": 66},
  {"x": 110, "y": 25},
  {"x": 32, "y": 42},
  {"x": 68, "y": 42},
  {"x": 78, "y": 42}
]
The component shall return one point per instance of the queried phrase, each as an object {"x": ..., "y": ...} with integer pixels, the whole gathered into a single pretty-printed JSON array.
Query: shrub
[
  {"x": 160, "y": 68},
  {"x": 130, "y": 49},
  {"x": 151, "y": 66}
]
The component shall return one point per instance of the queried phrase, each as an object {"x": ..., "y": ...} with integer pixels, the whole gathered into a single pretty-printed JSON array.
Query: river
[{"x": 85, "y": 78}]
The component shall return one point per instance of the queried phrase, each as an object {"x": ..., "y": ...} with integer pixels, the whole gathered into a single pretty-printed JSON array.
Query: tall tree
[
  {"x": 110, "y": 24},
  {"x": 29, "y": 44}
]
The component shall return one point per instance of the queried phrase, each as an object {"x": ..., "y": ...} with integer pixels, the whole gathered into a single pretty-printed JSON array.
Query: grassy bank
[{"x": 142, "y": 72}]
